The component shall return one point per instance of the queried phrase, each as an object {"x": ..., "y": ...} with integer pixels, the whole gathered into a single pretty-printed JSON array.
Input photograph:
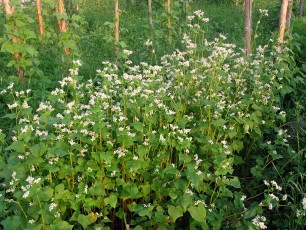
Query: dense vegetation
[{"x": 184, "y": 132}]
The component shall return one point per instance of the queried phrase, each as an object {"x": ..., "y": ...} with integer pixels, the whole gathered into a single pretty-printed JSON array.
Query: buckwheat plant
[{"x": 152, "y": 147}]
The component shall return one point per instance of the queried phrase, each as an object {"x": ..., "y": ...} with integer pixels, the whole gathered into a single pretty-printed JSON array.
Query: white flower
[
  {"x": 304, "y": 203},
  {"x": 77, "y": 62},
  {"x": 259, "y": 222},
  {"x": 26, "y": 194},
  {"x": 274, "y": 197},
  {"x": 135, "y": 158},
  {"x": 127, "y": 52},
  {"x": 10, "y": 86},
  {"x": 25, "y": 105},
  {"x": 52, "y": 206},
  {"x": 264, "y": 12},
  {"x": 188, "y": 191},
  {"x": 190, "y": 18},
  {"x": 148, "y": 42},
  {"x": 280, "y": 132},
  {"x": 14, "y": 105},
  {"x": 270, "y": 206},
  {"x": 113, "y": 173},
  {"x": 266, "y": 183},
  {"x": 31, "y": 221},
  {"x": 71, "y": 142},
  {"x": 161, "y": 138}
]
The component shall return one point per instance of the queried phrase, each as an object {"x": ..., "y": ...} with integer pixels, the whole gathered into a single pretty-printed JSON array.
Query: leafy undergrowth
[{"x": 200, "y": 141}]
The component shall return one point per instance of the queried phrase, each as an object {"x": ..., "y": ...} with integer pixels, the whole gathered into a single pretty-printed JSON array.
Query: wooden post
[
  {"x": 39, "y": 17},
  {"x": 150, "y": 17},
  {"x": 62, "y": 22},
  {"x": 116, "y": 30},
  {"x": 9, "y": 10},
  {"x": 237, "y": 1},
  {"x": 187, "y": 7},
  {"x": 289, "y": 14},
  {"x": 169, "y": 21},
  {"x": 301, "y": 8},
  {"x": 248, "y": 26},
  {"x": 282, "y": 20}
]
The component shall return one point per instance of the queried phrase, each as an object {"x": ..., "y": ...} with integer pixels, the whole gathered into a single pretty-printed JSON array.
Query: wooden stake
[
  {"x": 116, "y": 30},
  {"x": 169, "y": 21},
  {"x": 282, "y": 20},
  {"x": 187, "y": 7},
  {"x": 301, "y": 8},
  {"x": 39, "y": 17},
  {"x": 289, "y": 14},
  {"x": 150, "y": 17},
  {"x": 9, "y": 10},
  {"x": 62, "y": 22},
  {"x": 248, "y": 26}
]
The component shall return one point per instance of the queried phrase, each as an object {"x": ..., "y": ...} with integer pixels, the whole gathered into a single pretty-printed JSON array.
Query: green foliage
[
  {"x": 18, "y": 26},
  {"x": 299, "y": 45}
]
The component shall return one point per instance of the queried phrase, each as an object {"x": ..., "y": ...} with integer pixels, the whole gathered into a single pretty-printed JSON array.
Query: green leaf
[
  {"x": 38, "y": 150},
  {"x": 220, "y": 122},
  {"x": 75, "y": 215},
  {"x": 12, "y": 222},
  {"x": 250, "y": 213},
  {"x": 16, "y": 146},
  {"x": 237, "y": 145},
  {"x": 30, "y": 50},
  {"x": 46, "y": 193},
  {"x": 235, "y": 182},
  {"x": 7, "y": 47},
  {"x": 85, "y": 220},
  {"x": 111, "y": 200},
  {"x": 138, "y": 126},
  {"x": 2, "y": 163},
  {"x": 175, "y": 212},
  {"x": 62, "y": 225},
  {"x": 232, "y": 133},
  {"x": 198, "y": 213},
  {"x": 10, "y": 116},
  {"x": 59, "y": 188},
  {"x": 33, "y": 227},
  {"x": 256, "y": 107},
  {"x": 97, "y": 189},
  {"x": 185, "y": 200},
  {"x": 142, "y": 150},
  {"x": 225, "y": 192},
  {"x": 122, "y": 44},
  {"x": 34, "y": 160},
  {"x": 134, "y": 165}
]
